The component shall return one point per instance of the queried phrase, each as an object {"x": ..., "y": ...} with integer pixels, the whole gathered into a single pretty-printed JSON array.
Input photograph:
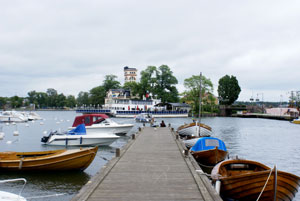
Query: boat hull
[
  {"x": 210, "y": 157},
  {"x": 247, "y": 185},
  {"x": 192, "y": 130},
  {"x": 99, "y": 129},
  {"x": 84, "y": 140},
  {"x": 73, "y": 159}
]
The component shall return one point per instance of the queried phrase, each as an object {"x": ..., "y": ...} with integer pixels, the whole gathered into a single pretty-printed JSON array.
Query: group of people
[{"x": 162, "y": 124}]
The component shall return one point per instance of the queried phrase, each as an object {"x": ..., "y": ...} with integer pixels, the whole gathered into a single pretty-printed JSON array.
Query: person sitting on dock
[{"x": 162, "y": 124}]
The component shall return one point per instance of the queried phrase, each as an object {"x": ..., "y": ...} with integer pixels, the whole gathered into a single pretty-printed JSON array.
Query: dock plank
[{"x": 151, "y": 168}]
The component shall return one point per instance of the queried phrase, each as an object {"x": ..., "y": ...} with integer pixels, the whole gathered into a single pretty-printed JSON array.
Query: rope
[
  {"x": 207, "y": 166},
  {"x": 265, "y": 185}
]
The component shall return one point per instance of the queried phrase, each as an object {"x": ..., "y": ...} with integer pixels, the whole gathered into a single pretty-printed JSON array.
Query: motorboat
[
  {"x": 101, "y": 124},
  {"x": 244, "y": 180},
  {"x": 53, "y": 160},
  {"x": 12, "y": 116},
  {"x": 209, "y": 151},
  {"x": 32, "y": 116},
  {"x": 143, "y": 118},
  {"x": 192, "y": 130},
  {"x": 78, "y": 137},
  {"x": 7, "y": 196},
  {"x": 296, "y": 121}
]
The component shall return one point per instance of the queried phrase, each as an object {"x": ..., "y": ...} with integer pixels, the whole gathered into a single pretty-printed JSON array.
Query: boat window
[
  {"x": 87, "y": 120},
  {"x": 212, "y": 143}
]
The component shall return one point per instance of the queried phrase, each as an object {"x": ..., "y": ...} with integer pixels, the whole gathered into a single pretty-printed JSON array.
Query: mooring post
[
  {"x": 133, "y": 136},
  {"x": 172, "y": 129},
  {"x": 169, "y": 125},
  {"x": 118, "y": 152},
  {"x": 186, "y": 152},
  {"x": 140, "y": 129},
  {"x": 177, "y": 137}
]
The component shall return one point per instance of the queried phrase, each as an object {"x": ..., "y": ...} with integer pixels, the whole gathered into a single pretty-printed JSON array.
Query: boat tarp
[
  {"x": 207, "y": 143},
  {"x": 79, "y": 130}
]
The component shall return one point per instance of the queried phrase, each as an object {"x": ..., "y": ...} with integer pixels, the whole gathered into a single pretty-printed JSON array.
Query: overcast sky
[{"x": 70, "y": 45}]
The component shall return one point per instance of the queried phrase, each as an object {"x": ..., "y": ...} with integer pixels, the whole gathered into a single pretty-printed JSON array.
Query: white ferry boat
[{"x": 119, "y": 103}]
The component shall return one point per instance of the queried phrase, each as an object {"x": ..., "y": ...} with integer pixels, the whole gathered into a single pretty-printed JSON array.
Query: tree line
[{"x": 155, "y": 82}]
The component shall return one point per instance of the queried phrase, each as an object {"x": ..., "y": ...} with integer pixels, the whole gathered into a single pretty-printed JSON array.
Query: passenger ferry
[{"x": 119, "y": 103}]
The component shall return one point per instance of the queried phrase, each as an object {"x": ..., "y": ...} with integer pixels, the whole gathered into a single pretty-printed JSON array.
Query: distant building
[{"x": 130, "y": 74}]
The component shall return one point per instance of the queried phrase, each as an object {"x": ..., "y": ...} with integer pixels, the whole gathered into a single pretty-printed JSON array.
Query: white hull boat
[
  {"x": 101, "y": 124},
  {"x": 82, "y": 140},
  {"x": 78, "y": 137},
  {"x": 192, "y": 130},
  {"x": 12, "y": 116}
]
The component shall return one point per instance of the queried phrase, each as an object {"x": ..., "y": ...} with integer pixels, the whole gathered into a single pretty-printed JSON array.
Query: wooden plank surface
[{"x": 152, "y": 167}]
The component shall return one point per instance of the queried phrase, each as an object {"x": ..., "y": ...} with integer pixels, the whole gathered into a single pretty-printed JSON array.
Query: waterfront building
[{"x": 130, "y": 74}]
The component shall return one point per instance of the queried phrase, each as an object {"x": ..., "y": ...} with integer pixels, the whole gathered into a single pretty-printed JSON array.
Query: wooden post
[
  {"x": 177, "y": 137},
  {"x": 140, "y": 129},
  {"x": 133, "y": 136},
  {"x": 186, "y": 152},
  {"x": 172, "y": 129},
  {"x": 144, "y": 125},
  {"x": 169, "y": 125},
  {"x": 118, "y": 152}
]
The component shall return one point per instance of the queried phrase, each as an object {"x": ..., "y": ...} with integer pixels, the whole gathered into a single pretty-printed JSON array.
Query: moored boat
[
  {"x": 246, "y": 180},
  {"x": 78, "y": 137},
  {"x": 101, "y": 123},
  {"x": 54, "y": 160},
  {"x": 209, "y": 151},
  {"x": 12, "y": 116},
  {"x": 192, "y": 130},
  {"x": 143, "y": 117}
]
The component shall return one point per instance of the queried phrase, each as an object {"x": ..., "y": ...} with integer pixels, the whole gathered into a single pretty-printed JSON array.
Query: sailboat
[{"x": 193, "y": 131}]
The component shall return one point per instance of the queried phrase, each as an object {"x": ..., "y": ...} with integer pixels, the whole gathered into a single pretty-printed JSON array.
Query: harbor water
[{"x": 271, "y": 142}]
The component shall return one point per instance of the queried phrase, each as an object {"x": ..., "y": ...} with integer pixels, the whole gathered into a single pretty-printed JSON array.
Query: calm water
[{"x": 271, "y": 142}]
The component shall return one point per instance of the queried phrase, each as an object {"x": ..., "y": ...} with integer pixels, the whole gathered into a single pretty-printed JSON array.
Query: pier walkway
[{"x": 150, "y": 167}]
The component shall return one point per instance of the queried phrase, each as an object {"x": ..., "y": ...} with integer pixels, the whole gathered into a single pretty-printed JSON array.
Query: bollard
[
  {"x": 133, "y": 136},
  {"x": 177, "y": 137},
  {"x": 172, "y": 129},
  {"x": 169, "y": 125},
  {"x": 186, "y": 152},
  {"x": 118, "y": 152},
  {"x": 144, "y": 125},
  {"x": 140, "y": 129}
]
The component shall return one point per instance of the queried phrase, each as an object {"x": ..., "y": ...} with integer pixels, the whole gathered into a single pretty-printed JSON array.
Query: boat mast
[{"x": 200, "y": 100}]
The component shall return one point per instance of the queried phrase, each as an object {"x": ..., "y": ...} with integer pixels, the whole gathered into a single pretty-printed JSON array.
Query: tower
[{"x": 130, "y": 74}]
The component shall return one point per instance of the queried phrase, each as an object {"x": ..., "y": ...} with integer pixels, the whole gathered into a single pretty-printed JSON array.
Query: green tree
[
  {"x": 110, "y": 82},
  {"x": 52, "y": 97},
  {"x": 97, "y": 95},
  {"x": 83, "y": 98},
  {"x": 16, "y": 101},
  {"x": 3, "y": 102},
  {"x": 148, "y": 82},
  {"x": 70, "y": 101},
  {"x": 166, "y": 85},
  {"x": 134, "y": 87},
  {"x": 191, "y": 95},
  {"x": 228, "y": 90}
]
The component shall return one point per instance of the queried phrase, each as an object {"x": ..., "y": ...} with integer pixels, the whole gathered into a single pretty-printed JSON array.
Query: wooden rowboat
[
  {"x": 192, "y": 129},
  {"x": 208, "y": 151},
  {"x": 72, "y": 159},
  {"x": 246, "y": 180}
]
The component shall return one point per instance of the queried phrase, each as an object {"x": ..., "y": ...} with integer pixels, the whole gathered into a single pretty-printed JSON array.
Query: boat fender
[
  {"x": 66, "y": 141},
  {"x": 80, "y": 140},
  {"x": 218, "y": 186},
  {"x": 21, "y": 163}
]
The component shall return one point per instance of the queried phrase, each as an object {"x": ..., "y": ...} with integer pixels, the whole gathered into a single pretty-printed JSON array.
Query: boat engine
[{"x": 46, "y": 138}]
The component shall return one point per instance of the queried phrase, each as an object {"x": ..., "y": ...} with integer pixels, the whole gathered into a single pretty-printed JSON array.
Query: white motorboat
[
  {"x": 101, "y": 124},
  {"x": 6, "y": 196},
  {"x": 31, "y": 116},
  {"x": 78, "y": 137},
  {"x": 143, "y": 117},
  {"x": 12, "y": 116}
]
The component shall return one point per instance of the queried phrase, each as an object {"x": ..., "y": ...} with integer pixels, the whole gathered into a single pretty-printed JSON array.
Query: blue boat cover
[
  {"x": 207, "y": 143},
  {"x": 79, "y": 130}
]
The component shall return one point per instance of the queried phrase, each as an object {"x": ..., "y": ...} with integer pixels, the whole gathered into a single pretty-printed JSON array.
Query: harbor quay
[{"x": 152, "y": 166}]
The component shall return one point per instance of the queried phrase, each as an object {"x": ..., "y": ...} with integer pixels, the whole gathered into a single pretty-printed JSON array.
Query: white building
[{"x": 130, "y": 74}]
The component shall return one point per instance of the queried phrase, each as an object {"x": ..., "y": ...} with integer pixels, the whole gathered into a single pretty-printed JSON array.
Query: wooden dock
[{"x": 150, "y": 167}]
